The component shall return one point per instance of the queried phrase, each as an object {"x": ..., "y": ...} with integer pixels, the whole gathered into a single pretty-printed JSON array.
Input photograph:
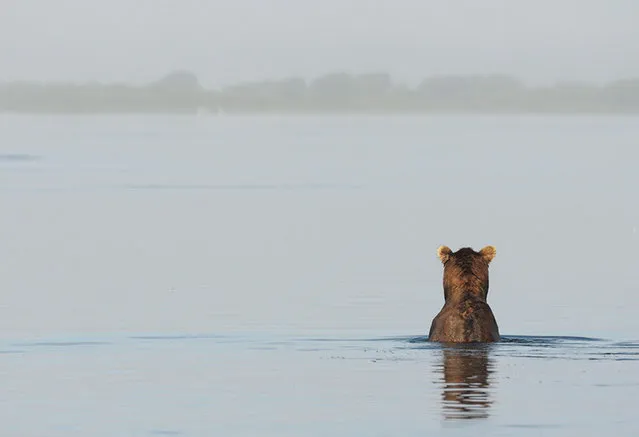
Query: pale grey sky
[{"x": 226, "y": 41}]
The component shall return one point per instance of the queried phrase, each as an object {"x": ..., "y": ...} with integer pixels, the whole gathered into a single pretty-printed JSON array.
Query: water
[{"x": 184, "y": 276}]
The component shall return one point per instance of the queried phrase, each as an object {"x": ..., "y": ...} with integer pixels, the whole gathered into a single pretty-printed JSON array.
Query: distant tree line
[{"x": 337, "y": 92}]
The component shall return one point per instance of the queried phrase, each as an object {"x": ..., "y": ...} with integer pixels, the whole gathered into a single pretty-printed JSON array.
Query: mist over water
[{"x": 226, "y": 42}]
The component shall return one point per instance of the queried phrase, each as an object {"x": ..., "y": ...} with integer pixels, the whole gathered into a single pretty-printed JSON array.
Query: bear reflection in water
[{"x": 466, "y": 372}]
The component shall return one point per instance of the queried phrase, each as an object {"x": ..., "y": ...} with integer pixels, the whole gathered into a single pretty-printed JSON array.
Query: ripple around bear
[{"x": 465, "y": 316}]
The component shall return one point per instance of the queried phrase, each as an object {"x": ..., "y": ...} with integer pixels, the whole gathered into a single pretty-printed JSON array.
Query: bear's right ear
[{"x": 444, "y": 253}]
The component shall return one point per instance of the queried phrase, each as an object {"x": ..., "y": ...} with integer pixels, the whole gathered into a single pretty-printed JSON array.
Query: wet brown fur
[{"x": 465, "y": 316}]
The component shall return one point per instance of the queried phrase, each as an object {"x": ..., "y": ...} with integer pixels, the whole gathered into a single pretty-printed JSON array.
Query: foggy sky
[{"x": 227, "y": 41}]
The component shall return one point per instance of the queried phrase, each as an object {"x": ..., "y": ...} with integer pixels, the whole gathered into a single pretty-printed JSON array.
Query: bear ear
[
  {"x": 444, "y": 253},
  {"x": 488, "y": 253}
]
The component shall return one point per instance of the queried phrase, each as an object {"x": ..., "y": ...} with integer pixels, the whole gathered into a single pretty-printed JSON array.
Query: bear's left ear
[
  {"x": 488, "y": 253},
  {"x": 444, "y": 253}
]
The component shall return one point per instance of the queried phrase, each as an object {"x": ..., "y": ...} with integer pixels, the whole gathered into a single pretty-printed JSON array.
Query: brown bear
[{"x": 465, "y": 316}]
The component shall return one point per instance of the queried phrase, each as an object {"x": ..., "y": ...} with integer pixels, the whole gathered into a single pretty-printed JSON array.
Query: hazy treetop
[{"x": 229, "y": 41}]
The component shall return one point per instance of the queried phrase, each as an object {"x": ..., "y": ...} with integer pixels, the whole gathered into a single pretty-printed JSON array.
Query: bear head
[{"x": 465, "y": 271}]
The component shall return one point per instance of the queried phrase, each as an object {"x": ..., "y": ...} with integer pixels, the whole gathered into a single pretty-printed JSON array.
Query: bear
[{"x": 465, "y": 316}]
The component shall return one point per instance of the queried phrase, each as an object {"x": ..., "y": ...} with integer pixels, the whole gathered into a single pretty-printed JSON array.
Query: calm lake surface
[{"x": 276, "y": 276}]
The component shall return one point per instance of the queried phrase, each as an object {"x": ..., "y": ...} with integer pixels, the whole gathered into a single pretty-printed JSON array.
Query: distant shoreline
[{"x": 333, "y": 94}]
